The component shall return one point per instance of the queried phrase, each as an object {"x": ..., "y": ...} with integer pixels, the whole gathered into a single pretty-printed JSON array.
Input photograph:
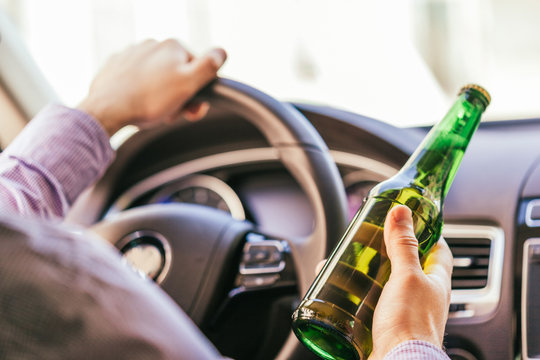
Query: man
[{"x": 66, "y": 295}]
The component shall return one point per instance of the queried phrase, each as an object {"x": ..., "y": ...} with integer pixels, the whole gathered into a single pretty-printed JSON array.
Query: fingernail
[
  {"x": 218, "y": 56},
  {"x": 402, "y": 215}
]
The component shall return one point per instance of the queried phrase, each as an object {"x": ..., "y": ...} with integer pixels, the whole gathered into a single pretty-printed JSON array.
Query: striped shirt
[{"x": 57, "y": 155}]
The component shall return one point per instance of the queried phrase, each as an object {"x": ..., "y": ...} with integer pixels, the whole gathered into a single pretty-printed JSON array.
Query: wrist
[{"x": 105, "y": 116}]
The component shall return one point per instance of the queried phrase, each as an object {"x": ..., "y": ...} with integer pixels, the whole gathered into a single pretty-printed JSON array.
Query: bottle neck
[{"x": 434, "y": 163}]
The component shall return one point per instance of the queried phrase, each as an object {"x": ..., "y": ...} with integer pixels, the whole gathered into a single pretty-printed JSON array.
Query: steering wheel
[{"x": 203, "y": 241}]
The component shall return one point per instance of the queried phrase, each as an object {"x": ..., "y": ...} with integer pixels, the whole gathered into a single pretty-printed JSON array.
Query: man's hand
[
  {"x": 150, "y": 83},
  {"x": 414, "y": 303}
]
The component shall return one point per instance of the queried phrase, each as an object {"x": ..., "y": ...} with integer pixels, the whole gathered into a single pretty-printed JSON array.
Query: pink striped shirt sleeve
[
  {"x": 57, "y": 155},
  {"x": 416, "y": 350}
]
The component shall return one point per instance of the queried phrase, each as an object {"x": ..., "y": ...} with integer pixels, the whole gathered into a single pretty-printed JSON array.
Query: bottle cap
[{"x": 482, "y": 93}]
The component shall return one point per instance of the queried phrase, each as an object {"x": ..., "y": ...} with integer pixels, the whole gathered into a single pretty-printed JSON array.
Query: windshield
[{"x": 399, "y": 61}]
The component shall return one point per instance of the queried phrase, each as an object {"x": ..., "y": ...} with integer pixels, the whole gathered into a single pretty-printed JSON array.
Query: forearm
[
  {"x": 62, "y": 151},
  {"x": 59, "y": 153},
  {"x": 416, "y": 350}
]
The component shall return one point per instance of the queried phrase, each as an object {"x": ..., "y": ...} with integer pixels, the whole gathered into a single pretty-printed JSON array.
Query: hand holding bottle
[
  {"x": 414, "y": 303},
  {"x": 336, "y": 315}
]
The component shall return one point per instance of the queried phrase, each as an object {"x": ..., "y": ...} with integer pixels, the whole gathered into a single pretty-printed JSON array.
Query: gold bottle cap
[{"x": 485, "y": 97}]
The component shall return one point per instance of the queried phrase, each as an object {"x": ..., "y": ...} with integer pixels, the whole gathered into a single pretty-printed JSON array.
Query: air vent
[
  {"x": 478, "y": 262},
  {"x": 471, "y": 262}
]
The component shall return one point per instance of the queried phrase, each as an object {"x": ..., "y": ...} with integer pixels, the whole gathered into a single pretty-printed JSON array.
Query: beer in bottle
[{"x": 334, "y": 319}]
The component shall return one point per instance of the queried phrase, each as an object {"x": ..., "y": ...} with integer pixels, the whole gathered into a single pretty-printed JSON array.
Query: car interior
[{"x": 231, "y": 214}]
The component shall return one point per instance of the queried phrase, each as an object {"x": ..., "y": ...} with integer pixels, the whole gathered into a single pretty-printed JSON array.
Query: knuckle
[
  {"x": 148, "y": 42},
  {"x": 170, "y": 42},
  {"x": 406, "y": 240}
]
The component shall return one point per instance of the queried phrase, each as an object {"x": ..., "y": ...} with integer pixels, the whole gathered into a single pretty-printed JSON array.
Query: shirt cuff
[
  {"x": 417, "y": 350},
  {"x": 67, "y": 142}
]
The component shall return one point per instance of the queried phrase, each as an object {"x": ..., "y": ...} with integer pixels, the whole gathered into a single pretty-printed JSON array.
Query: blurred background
[{"x": 400, "y": 61}]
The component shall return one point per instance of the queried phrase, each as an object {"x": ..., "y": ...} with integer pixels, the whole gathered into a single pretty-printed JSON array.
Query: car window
[
  {"x": 396, "y": 60},
  {"x": 11, "y": 120}
]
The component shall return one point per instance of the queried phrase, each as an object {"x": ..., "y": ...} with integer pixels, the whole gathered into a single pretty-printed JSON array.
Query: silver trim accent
[
  {"x": 528, "y": 214},
  {"x": 480, "y": 302},
  {"x": 167, "y": 254},
  {"x": 525, "y": 278},
  {"x": 361, "y": 162},
  {"x": 258, "y": 271},
  {"x": 179, "y": 171},
  {"x": 237, "y": 157},
  {"x": 211, "y": 183}
]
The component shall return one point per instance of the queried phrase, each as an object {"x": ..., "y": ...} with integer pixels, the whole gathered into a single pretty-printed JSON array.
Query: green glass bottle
[{"x": 334, "y": 319}]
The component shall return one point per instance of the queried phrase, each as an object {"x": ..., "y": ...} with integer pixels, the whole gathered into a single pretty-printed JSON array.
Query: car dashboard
[{"x": 225, "y": 163}]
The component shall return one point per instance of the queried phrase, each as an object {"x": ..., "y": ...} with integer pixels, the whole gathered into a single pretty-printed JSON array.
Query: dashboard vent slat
[
  {"x": 478, "y": 251},
  {"x": 470, "y": 272},
  {"x": 468, "y": 283},
  {"x": 471, "y": 260}
]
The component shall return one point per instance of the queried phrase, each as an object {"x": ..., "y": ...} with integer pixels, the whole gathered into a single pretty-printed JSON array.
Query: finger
[
  {"x": 142, "y": 48},
  {"x": 204, "y": 68},
  {"x": 439, "y": 262},
  {"x": 174, "y": 45},
  {"x": 147, "y": 43},
  {"x": 195, "y": 110},
  {"x": 319, "y": 266},
  {"x": 401, "y": 243},
  {"x": 144, "y": 45}
]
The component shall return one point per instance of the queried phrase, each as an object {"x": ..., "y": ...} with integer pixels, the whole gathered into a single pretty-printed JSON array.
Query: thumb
[
  {"x": 205, "y": 68},
  {"x": 401, "y": 243}
]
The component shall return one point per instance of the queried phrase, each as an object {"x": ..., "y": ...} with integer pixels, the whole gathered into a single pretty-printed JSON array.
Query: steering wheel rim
[{"x": 304, "y": 154}]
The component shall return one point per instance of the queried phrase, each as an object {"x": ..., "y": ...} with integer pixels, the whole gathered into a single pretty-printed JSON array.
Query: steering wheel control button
[
  {"x": 261, "y": 256},
  {"x": 148, "y": 252}
]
